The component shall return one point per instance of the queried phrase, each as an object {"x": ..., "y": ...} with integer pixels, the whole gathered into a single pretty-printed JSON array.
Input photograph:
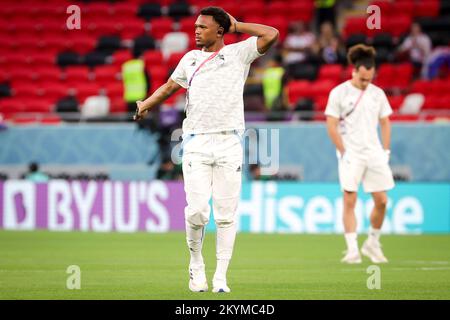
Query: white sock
[
  {"x": 221, "y": 269},
  {"x": 374, "y": 235},
  {"x": 194, "y": 239},
  {"x": 224, "y": 250},
  {"x": 351, "y": 240}
]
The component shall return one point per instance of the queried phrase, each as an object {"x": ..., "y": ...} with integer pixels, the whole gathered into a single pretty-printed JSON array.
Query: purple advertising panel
[
  {"x": 266, "y": 207},
  {"x": 61, "y": 205}
]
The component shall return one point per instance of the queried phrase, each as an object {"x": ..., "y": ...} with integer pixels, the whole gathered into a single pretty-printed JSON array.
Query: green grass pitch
[{"x": 154, "y": 266}]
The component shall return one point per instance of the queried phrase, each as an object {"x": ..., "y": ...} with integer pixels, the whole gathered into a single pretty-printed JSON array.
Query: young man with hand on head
[
  {"x": 214, "y": 77},
  {"x": 354, "y": 110}
]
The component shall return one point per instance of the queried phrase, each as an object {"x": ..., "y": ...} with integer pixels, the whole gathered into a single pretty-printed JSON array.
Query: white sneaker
[
  {"x": 197, "y": 281},
  {"x": 373, "y": 251},
  {"x": 352, "y": 257},
  {"x": 220, "y": 285}
]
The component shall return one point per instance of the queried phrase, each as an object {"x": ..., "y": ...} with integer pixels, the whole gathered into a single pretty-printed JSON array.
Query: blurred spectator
[
  {"x": 134, "y": 81},
  {"x": 273, "y": 83},
  {"x": 417, "y": 45},
  {"x": 34, "y": 174},
  {"x": 298, "y": 43},
  {"x": 169, "y": 171},
  {"x": 255, "y": 174},
  {"x": 325, "y": 11},
  {"x": 328, "y": 47},
  {"x": 437, "y": 63},
  {"x": 3, "y": 125}
]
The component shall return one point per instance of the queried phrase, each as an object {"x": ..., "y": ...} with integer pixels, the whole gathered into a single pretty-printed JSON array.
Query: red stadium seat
[
  {"x": 429, "y": 8},
  {"x": 254, "y": 18},
  {"x": 396, "y": 101},
  {"x": 321, "y": 104},
  {"x": 438, "y": 87},
  {"x": 254, "y": 8},
  {"x": 118, "y": 106},
  {"x": 50, "y": 119},
  {"x": 55, "y": 42},
  {"x": 121, "y": 56},
  {"x": 280, "y": 23},
  {"x": 11, "y": 105},
  {"x": 24, "y": 120},
  {"x": 54, "y": 90},
  {"x": 51, "y": 10},
  {"x": 405, "y": 7},
  {"x": 300, "y": 11},
  {"x": 97, "y": 10},
  {"x": 174, "y": 59},
  {"x": 398, "y": 26},
  {"x": 347, "y": 73},
  {"x": 43, "y": 59},
  {"x": 80, "y": 43},
  {"x": 153, "y": 57},
  {"x": 55, "y": 27},
  {"x": 24, "y": 25},
  {"x": 22, "y": 73},
  {"x": 84, "y": 90},
  {"x": 77, "y": 74},
  {"x": 421, "y": 86},
  {"x": 385, "y": 75},
  {"x": 124, "y": 9},
  {"x": 187, "y": 25},
  {"x": 25, "y": 90},
  {"x": 231, "y": 38},
  {"x": 101, "y": 28},
  {"x": 385, "y": 6},
  {"x": 114, "y": 90},
  {"x": 402, "y": 75},
  {"x": 40, "y": 106},
  {"x": 107, "y": 74},
  {"x": 331, "y": 72},
  {"x": 48, "y": 73},
  {"x": 321, "y": 87},
  {"x": 298, "y": 89},
  {"x": 432, "y": 102},
  {"x": 160, "y": 26},
  {"x": 437, "y": 118},
  {"x": 355, "y": 25},
  {"x": 444, "y": 103},
  {"x": 158, "y": 76},
  {"x": 232, "y": 7},
  {"x": 4, "y": 75},
  {"x": 277, "y": 8},
  {"x": 16, "y": 58},
  {"x": 404, "y": 117},
  {"x": 200, "y": 4},
  {"x": 130, "y": 28}
]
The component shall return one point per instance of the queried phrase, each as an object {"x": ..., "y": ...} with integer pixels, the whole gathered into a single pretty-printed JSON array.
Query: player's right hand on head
[
  {"x": 140, "y": 112},
  {"x": 233, "y": 23}
]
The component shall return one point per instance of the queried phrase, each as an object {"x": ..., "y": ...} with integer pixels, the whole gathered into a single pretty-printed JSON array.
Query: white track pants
[{"x": 212, "y": 166}]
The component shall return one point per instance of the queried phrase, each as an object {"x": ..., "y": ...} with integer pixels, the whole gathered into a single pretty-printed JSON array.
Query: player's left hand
[{"x": 140, "y": 111}]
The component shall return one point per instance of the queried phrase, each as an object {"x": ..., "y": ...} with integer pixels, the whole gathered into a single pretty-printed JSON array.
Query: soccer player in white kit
[
  {"x": 212, "y": 131},
  {"x": 354, "y": 110}
]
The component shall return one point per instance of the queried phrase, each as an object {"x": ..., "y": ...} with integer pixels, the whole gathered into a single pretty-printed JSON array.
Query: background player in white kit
[
  {"x": 354, "y": 110},
  {"x": 212, "y": 151}
]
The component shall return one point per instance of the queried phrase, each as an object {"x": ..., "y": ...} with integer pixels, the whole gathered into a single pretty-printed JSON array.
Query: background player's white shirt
[
  {"x": 359, "y": 129},
  {"x": 216, "y": 100}
]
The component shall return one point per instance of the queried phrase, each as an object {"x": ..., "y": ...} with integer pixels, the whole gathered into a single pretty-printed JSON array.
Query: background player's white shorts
[
  {"x": 212, "y": 165},
  {"x": 373, "y": 171}
]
